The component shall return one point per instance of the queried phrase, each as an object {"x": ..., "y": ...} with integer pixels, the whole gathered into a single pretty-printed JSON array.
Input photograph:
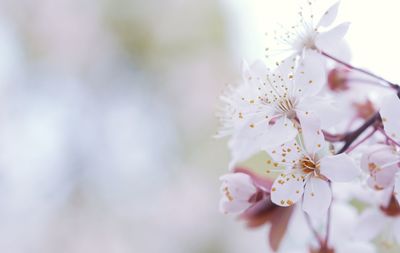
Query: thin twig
[
  {"x": 361, "y": 141},
  {"x": 393, "y": 85},
  {"x": 333, "y": 137},
  {"x": 371, "y": 82},
  {"x": 328, "y": 223},
  {"x": 352, "y": 136},
  {"x": 315, "y": 233},
  {"x": 388, "y": 137}
]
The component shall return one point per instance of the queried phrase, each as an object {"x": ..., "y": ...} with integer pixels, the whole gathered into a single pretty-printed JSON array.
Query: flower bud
[
  {"x": 238, "y": 192},
  {"x": 338, "y": 79}
]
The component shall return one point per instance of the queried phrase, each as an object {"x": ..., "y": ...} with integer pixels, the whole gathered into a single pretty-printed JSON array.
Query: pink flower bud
[{"x": 338, "y": 79}]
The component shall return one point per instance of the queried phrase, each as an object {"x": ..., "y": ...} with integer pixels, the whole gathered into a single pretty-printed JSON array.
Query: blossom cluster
[{"x": 328, "y": 135}]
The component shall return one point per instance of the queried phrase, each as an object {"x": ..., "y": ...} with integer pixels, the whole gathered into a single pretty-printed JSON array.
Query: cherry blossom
[
  {"x": 237, "y": 190},
  {"x": 381, "y": 162},
  {"x": 248, "y": 194},
  {"x": 262, "y": 111},
  {"x": 343, "y": 224},
  {"x": 308, "y": 167},
  {"x": 338, "y": 79},
  {"x": 383, "y": 219},
  {"x": 317, "y": 130},
  {"x": 263, "y": 211},
  {"x": 306, "y": 34}
]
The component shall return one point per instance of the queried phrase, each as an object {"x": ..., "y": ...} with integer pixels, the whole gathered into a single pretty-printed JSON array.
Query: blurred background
[{"x": 107, "y": 117}]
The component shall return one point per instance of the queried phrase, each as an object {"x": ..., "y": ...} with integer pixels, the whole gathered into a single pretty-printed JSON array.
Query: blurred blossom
[{"x": 106, "y": 117}]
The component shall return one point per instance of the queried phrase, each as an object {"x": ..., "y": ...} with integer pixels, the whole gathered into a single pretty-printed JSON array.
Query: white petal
[
  {"x": 329, "y": 112},
  {"x": 385, "y": 197},
  {"x": 341, "y": 51},
  {"x": 287, "y": 189},
  {"x": 285, "y": 69},
  {"x": 343, "y": 217},
  {"x": 396, "y": 230},
  {"x": 282, "y": 131},
  {"x": 313, "y": 137},
  {"x": 391, "y": 116},
  {"x": 233, "y": 207},
  {"x": 397, "y": 188},
  {"x": 242, "y": 107},
  {"x": 251, "y": 140},
  {"x": 329, "y": 16},
  {"x": 317, "y": 197},
  {"x": 245, "y": 69},
  {"x": 240, "y": 185},
  {"x": 289, "y": 152},
  {"x": 310, "y": 74},
  {"x": 374, "y": 153},
  {"x": 328, "y": 40},
  {"x": 385, "y": 177},
  {"x": 247, "y": 138},
  {"x": 372, "y": 184},
  {"x": 257, "y": 69},
  {"x": 380, "y": 161},
  {"x": 370, "y": 224},
  {"x": 255, "y": 75},
  {"x": 339, "y": 168},
  {"x": 242, "y": 149},
  {"x": 356, "y": 247},
  {"x": 236, "y": 190}
]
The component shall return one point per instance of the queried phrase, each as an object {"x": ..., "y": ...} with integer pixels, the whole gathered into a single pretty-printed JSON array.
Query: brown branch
[{"x": 374, "y": 121}]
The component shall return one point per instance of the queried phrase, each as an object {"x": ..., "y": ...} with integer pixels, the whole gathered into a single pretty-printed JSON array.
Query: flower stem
[
  {"x": 328, "y": 223},
  {"x": 361, "y": 141},
  {"x": 365, "y": 81},
  {"x": 352, "y": 136},
  {"x": 388, "y": 137},
  {"x": 333, "y": 137},
  {"x": 391, "y": 84},
  {"x": 315, "y": 233}
]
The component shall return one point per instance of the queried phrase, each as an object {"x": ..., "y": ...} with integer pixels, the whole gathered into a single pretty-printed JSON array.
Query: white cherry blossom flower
[
  {"x": 383, "y": 220},
  {"x": 237, "y": 190},
  {"x": 282, "y": 111},
  {"x": 307, "y": 170},
  {"x": 306, "y": 34},
  {"x": 382, "y": 162},
  {"x": 343, "y": 222},
  {"x": 262, "y": 111}
]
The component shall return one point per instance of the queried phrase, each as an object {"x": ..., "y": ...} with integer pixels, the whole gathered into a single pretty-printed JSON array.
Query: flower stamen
[{"x": 287, "y": 106}]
